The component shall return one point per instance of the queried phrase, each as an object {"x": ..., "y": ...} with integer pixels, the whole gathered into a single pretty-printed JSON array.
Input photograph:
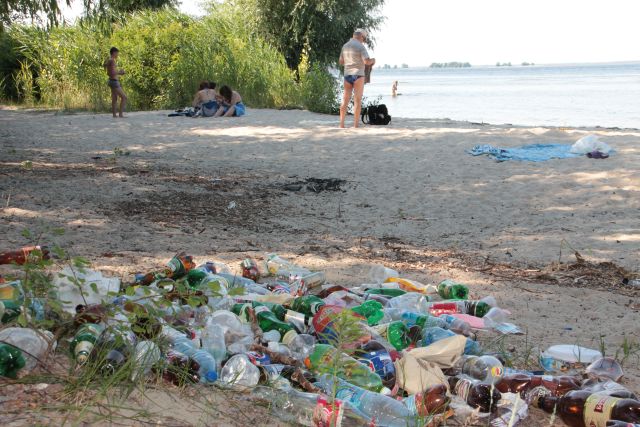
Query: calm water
[{"x": 576, "y": 95}]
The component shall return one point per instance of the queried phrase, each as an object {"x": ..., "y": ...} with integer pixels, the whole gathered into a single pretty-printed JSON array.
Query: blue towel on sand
[{"x": 526, "y": 153}]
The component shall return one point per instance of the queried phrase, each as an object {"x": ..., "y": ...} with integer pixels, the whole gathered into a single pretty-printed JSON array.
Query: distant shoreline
[{"x": 516, "y": 65}]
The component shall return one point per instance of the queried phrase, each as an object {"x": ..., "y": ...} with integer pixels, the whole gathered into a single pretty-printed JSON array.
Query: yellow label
[{"x": 597, "y": 410}]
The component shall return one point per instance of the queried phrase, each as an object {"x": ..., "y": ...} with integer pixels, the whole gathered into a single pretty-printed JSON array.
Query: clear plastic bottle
[
  {"x": 385, "y": 410},
  {"x": 433, "y": 334},
  {"x": 213, "y": 341},
  {"x": 411, "y": 301},
  {"x": 301, "y": 346},
  {"x": 240, "y": 371},
  {"x": 33, "y": 344},
  {"x": 145, "y": 356},
  {"x": 486, "y": 368},
  {"x": 379, "y": 273},
  {"x": 208, "y": 367}
]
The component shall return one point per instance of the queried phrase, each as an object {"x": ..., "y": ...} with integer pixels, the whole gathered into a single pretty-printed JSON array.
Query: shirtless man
[
  {"x": 354, "y": 57},
  {"x": 114, "y": 82}
]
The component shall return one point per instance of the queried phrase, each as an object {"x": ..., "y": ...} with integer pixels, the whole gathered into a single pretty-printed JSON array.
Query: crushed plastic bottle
[{"x": 33, "y": 344}]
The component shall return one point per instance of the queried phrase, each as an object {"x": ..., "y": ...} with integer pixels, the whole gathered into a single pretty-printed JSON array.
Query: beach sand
[{"x": 412, "y": 199}]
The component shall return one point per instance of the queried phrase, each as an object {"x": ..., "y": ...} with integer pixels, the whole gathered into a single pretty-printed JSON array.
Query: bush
[{"x": 165, "y": 55}]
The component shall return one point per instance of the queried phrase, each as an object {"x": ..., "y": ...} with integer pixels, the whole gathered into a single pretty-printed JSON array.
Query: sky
[{"x": 483, "y": 32}]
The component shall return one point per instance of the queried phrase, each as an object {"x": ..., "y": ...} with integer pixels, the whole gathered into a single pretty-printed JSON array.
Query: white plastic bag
[
  {"x": 590, "y": 143},
  {"x": 91, "y": 288}
]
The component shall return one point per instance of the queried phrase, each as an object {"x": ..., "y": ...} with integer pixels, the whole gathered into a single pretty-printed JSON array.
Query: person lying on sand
[
  {"x": 354, "y": 57},
  {"x": 114, "y": 74},
  {"x": 231, "y": 103}
]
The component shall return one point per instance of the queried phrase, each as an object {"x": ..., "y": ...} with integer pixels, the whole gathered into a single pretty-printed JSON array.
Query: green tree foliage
[
  {"x": 12, "y": 10},
  {"x": 315, "y": 27}
]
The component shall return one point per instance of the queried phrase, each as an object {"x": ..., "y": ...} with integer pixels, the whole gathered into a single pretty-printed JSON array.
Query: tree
[
  {"x": 317, "y": 28},
  {"x": 12, "y": 10}
]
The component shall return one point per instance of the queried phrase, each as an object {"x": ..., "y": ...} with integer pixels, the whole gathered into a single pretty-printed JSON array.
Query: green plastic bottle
[
  {"x": 307, "y": 305},
  {"x": 372, "y": 310},
  {"x": 396, "y": 333},
  {"x": 11, "y": 361},
  {"x": 84, "y": 341},
  {"x": 267, "y": 319},
  {"x": 322, "y": 360},
  {"x": 391, "y": 292},
  {"x": 448, "y": 289}
]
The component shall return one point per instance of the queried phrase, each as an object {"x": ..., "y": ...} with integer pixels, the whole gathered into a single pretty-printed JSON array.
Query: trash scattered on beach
[{"x": 393, "y": 352}]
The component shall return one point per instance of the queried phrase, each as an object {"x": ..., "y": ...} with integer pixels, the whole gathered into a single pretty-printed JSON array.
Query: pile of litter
[{"x": 390, "y": 352}]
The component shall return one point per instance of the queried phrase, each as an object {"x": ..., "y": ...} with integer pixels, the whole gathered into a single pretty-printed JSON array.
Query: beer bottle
[
  {"x": 84, "y": 341},
  {"x": 581, "y": 408},
  {"x": 267, "y": 320},
  {"x": 180, "y": 369},
  {"x": 477, "y": 395},
  {"x": 432, "y": 401},
  {"x": 21, "y": 256},
  {"x": 307, "y": 305},
  {"x": 11, "y": 361},
  {"x": 250, "y": 269}
]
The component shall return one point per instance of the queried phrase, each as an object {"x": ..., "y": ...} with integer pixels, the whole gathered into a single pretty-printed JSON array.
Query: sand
[{"x": 412, "y": 199}]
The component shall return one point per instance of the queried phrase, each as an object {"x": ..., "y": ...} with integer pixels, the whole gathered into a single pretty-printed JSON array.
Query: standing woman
[{"x": 354, "y": 57}]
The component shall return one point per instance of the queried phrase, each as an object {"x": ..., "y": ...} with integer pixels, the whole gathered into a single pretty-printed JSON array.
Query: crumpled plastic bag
[
  {"x": 92, "y": 288},
  {"x": 421, "y": 367},
  {"x": 588, "y": 144}
]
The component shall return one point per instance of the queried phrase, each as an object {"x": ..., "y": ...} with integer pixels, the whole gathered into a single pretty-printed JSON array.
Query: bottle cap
[
  {"x": 211, "y": 376},
  {"x": 385, "y": 391}
]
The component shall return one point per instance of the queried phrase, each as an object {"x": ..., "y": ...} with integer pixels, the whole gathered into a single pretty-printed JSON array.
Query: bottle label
[
  {"x": 260, "y": 309},
  {"x": 83, "y": 347},
  {"x": 462, "y": 389},
  {"x": 597, "y": 410},
  {"x": 326, "y": 414},
  {"x": 351, "y": 395}
]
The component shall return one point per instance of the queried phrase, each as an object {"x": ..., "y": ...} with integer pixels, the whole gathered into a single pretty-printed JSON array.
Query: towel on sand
[{"x": 527, "y": 153}]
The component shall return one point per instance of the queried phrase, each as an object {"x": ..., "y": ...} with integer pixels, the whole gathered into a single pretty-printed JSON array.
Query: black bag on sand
[{"x": 376, "y": 115}]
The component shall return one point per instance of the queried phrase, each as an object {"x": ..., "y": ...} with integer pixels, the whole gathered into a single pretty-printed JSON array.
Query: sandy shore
[{"x": 412, "y": 198}]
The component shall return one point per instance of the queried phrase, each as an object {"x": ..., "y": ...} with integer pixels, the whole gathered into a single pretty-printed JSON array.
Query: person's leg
[
  {"x": 230, "y": 112},
  {"x": 123, "y": 100},
  {"x": 114, "y": 101},
  {"x": 346, "y": 98},
  {"x": 220, "y": 112},
  {"x": 358, "y": 90}
]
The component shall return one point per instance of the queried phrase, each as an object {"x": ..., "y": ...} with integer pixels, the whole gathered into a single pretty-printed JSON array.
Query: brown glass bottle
[
  {"x": 22, "y": 255},
  {"x": 580, "y": 408},
  {"x": 180, "y": 369},
  {"x": 520, "y": 383},
  {"x": 476, "y": 394}
]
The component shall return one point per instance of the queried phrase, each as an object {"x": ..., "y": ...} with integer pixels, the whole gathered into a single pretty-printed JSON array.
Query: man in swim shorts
[
  {"x": 354, "y": 57},
  {"x": 114, "y": 82}
]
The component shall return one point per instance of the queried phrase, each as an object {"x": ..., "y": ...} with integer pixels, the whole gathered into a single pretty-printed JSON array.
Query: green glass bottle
[
  {"x": 84, "y": 341},
  {"x": 11, "y": 361},
  {"x": 267, "y": 320},
  {"x": 386, "y": 292},
  {"x": 307, "y": 305},
  {"x": 195, "y": 278},
  {"x": 448, "y": 289},
  {"x": 372, "y": 310},
  {"x": 322, "y": 359}
]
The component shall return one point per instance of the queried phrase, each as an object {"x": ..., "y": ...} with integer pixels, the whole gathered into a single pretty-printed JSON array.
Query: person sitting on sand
[
  {"x": 354, "y": 57},
  {"x": 114, "y": 74},
  {"x": 394, "y": 89},
  {"x": 206, "y": 93},
  {"x": 231, "y": 103}
]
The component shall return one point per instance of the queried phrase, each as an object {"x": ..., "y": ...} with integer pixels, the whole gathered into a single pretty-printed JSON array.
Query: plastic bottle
[
  {"x": 605, "y": 368},
  {"x": 250, "y": 269},
  {"x": 433, "y": 334},
  {"x": 180, "y": 369},
  {"x": 145, "y": 356},
  {"x": 432, "y": 401},
  {"x": 609, "y": 388},
  {"x": 240, "y": 371},
  {"x": 582, "y": 408},
  {"x": 382, "y": 410},
  {"x": 449, "y": 289},
  {"x": 301, "y": 346},
  {"x": 375, "y": 356},
  {"x": 208, "y": 366},
  {"x": 413, "y": 286},
  {"x": 371, "y": 310},
  {"x": 396, "y": 333},
  {"x": 33, "y": 344},
  {"x": 389, "y": 292},
  {"x": 477, "y": 395},
  {"x": 456, "y": 325},
  {"x": 115, "y": 345},
  {"x": 21, "y": 256},
  {"x": 379, "y": 273},
  {"x": 249, "y": 285},
  {"x": 411, "y": 301},
  {"x": 323, "y": 358},
  {"x": 323, "y": 324},
  {"x": 12, "y": 298},
  {"x": 474, "y": 308},
  {"x": 213, "y": 341},
  {"x": 486, "y": 369},
  {"x": 11, "y": 361}
]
